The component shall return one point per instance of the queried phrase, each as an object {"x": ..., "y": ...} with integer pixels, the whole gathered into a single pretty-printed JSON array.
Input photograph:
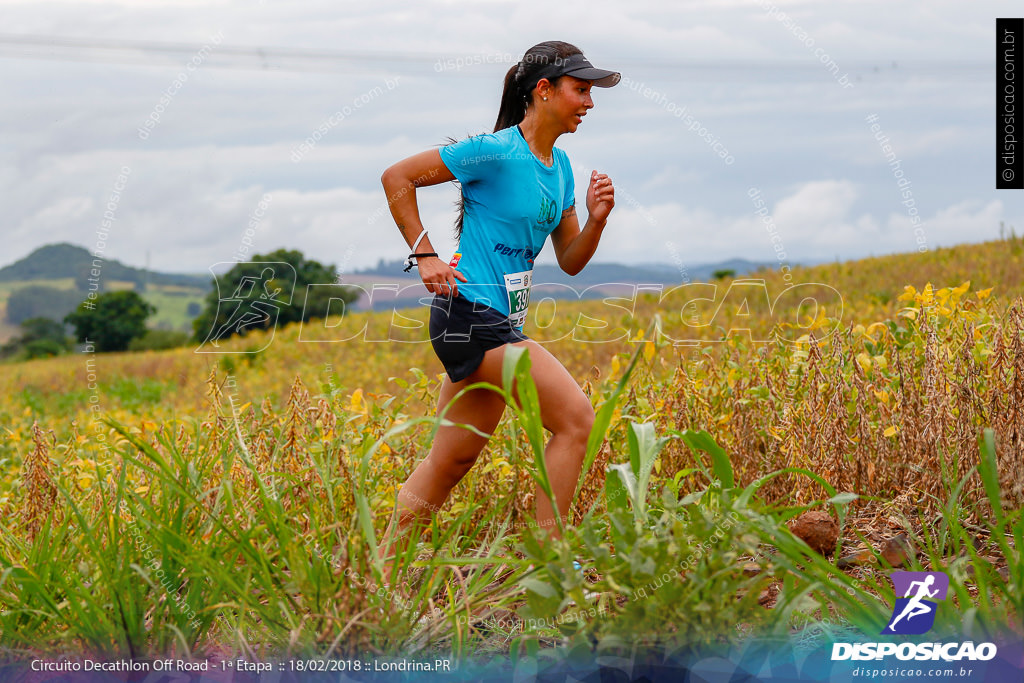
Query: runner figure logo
[
  {"x": 255, "y": 303},
  {"x": 914, "y": 612}
]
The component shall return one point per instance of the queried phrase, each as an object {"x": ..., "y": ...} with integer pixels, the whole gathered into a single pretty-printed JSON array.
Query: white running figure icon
[{"x": 914, "y": 606}]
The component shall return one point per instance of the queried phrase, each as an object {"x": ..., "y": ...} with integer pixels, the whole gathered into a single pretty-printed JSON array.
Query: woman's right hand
[{"x": 438, "y": 276}]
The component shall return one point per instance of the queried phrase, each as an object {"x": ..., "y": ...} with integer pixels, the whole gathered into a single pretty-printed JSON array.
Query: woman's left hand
[{"x": 600, "y": 197}]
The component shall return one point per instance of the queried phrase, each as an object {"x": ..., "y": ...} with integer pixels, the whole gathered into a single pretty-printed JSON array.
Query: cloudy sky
[{"x": 232, "y": 91}]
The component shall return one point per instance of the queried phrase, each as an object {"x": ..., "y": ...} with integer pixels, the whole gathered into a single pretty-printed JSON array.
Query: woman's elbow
[
  {"x": 388, "y": 177},
  {"x": 570, "y": 269}
]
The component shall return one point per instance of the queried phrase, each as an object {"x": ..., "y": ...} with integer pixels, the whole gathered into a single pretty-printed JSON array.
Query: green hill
[
  {"x": 57, "y": 261},
  {"x": 51, "y": 281}
]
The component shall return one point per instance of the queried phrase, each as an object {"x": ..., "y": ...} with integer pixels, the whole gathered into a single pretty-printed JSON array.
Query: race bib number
[{"x": 517, "y": 285}]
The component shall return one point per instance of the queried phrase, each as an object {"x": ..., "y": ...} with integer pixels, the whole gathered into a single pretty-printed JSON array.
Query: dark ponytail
[
  {"x": 517, "y": 94},
  {"x": 512, "y": 109}
]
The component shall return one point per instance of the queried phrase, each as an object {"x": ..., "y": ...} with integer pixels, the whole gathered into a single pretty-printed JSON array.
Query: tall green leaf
[
  {"x": 644, "y": 447},
  {"x": 721, "y": 466}
]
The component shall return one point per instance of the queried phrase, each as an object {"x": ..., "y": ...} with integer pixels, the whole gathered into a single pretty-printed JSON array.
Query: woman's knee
[
  {"x": 455, "y": 452},
  {"x": 452, "y": 468},
  {"x": 457, "y": 447},
  {"x": 575, "y": 421},
  {"x": 585, "y": 419}
]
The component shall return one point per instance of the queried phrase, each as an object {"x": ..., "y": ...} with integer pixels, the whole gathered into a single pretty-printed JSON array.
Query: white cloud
[
  {"x": 816, "y": 205},
  {"x": 947, "y": 226},
  {"x": 227, "y": 136},
  {"x": 817, "y": 221}
]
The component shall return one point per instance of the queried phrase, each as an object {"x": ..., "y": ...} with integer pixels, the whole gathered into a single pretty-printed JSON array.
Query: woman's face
[{"x": 569, "y": 102}]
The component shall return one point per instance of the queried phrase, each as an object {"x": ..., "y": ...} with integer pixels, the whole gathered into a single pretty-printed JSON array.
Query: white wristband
[{"x": 418, "y": 240}]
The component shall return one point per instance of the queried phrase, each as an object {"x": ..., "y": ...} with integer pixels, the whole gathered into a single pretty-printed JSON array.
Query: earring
[{"x": 545, "y": 99}]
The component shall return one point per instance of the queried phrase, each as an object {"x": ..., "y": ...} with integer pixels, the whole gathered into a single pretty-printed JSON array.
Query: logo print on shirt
[
  {"x": 504, "y": 250},
  {"x": 547, "y": 211}
]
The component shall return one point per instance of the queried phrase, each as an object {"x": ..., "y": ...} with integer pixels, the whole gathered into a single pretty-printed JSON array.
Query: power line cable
[{"x": 285, "y": 59}]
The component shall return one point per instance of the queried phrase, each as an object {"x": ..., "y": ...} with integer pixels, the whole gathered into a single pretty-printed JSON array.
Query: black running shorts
[{"x": 461, "y": 331}]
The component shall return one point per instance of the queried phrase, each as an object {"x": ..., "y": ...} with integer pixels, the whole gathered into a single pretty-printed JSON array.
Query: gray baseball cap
[{"x": 578, "y": 66}]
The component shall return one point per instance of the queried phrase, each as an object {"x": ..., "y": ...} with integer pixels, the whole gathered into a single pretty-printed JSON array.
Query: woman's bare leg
[
  {"x": 565, "y": 411},
  {"x": 452, "y": 454}
]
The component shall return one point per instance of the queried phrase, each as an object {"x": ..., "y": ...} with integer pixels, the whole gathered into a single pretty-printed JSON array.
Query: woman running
[{"x": 517, "y": 188}]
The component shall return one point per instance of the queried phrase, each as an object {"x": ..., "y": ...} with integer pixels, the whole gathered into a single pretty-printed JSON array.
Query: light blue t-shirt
[{"x": 512, "y": 203}]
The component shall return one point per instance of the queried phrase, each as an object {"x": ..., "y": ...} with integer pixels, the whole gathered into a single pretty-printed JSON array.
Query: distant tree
[
  {"x": 43, "y": 328},
  {"x": 39, "y": 301},
  {"x": 723, "y": 273},
  {"x": 111, "y": 320},
  {"x": 257, "y": 295},
  {"x": 39, "y": 338},
  {"x": 43, "y": 348},
  {"x": 193, "y": 309}
]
